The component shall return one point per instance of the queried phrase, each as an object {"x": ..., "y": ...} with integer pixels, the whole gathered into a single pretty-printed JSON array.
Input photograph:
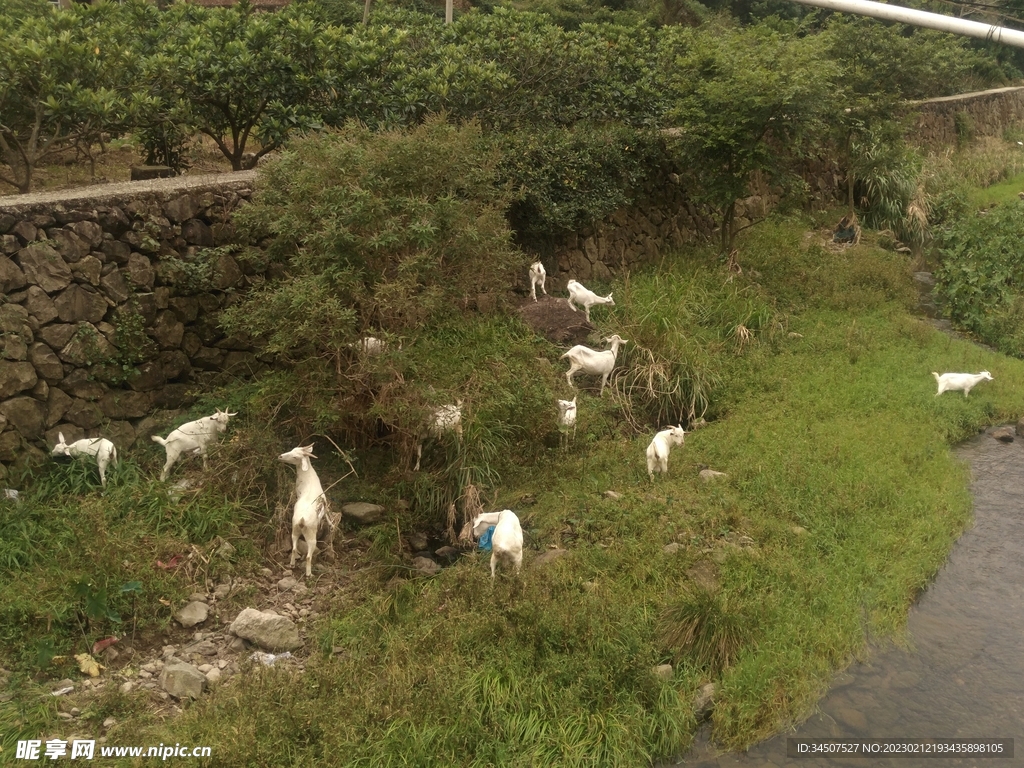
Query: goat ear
[
  {"x": 60, "y": 436},
  {"x": 305, "y": 464}
]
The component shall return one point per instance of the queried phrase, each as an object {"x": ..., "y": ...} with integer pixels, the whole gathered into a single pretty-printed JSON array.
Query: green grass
[
  {"x": 1001, "y": 192},
  {"x": 839, "y": 475}
]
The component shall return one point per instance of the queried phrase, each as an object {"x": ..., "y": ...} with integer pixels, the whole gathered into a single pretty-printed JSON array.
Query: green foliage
[
  {"x": 745, "y": 101},
  {"x": 703, "y": 630},
  {"x": 239, "y": 74},
  {"x": 568, "y": 178},
  {"x": 981, "y": 279},
  {"x": 60, "y": 78},
  {"x": 888, "y": 172},
  {"x": 77, "y": 560}
]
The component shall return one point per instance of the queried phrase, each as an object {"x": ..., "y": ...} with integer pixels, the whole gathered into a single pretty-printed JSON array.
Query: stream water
[{"x": 963, "y": 676}]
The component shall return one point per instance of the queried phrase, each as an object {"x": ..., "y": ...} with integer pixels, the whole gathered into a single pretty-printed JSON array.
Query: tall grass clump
[{"x": 679, "y": 322}]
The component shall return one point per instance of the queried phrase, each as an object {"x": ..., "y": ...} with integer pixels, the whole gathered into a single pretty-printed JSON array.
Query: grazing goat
[
  {"x": 657, "y": 451},
  {"x": 311, "y": 506},
  {"x": 585, "y": 298},
  {"x": 952, "y": 382},
  {"x": 567, "y": 418},
  {"x": 193, "y": 437},
  {"x": 371, "y": 346},
  {"x": 447, "y": 418},
  {"x": 507, "y": 539},
  {"x": 537, "y": 277},
  {"x": 593, "y": 362},
  {"x": 98, "y": 448}
]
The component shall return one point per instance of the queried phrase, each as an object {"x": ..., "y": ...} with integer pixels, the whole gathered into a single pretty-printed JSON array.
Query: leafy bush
[
  {"x": 568, "y": 178},
  {"x": 981, "y": 278},
  {"x": 394, "y": 234}
]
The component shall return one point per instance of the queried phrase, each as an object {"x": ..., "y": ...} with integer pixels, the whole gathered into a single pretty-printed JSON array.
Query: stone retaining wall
[
  {"x": 97, "y": 327},
  {"x": 952, "y": 119}
]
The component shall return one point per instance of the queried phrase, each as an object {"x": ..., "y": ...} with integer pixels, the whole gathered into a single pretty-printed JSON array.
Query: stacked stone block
[{"x": 71, "y": 267}]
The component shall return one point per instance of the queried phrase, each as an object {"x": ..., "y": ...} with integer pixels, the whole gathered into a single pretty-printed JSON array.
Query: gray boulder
[
  {"x": 192, "y": 614},
  {"x": 45, "y": 267},
  {"x": 267, "y": 630},
  {"x": 363, "y": 512},
  {"x": 1003, "y": 434},
  {"x": 426, "y": 566},
  {"x": 182, "y": 680},
  {"x": 16, "y": 377}
]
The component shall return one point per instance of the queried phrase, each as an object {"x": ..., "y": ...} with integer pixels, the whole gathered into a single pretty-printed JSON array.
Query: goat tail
[
  {"x": 562, "y": 357},
  {"x": 113, "y": 455},
  {"x": 935, "y": 375},
  {"x": 158, "y": 439}
]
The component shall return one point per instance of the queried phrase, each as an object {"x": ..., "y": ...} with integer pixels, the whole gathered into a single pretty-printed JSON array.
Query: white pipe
[{"x": 923, "y": 19}]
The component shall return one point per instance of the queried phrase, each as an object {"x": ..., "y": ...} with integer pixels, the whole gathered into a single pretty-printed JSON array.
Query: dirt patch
[
  {"x": 556, "y": 321},
  {"x": 132, "y": 667},
  {"x": 71, "y": 168}
]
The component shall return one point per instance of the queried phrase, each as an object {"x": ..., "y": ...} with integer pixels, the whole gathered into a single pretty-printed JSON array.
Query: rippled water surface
[{"x": 964, "y": 675}]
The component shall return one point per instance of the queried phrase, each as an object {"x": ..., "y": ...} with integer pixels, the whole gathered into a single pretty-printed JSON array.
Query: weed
[{"x": 703, "y": 629}]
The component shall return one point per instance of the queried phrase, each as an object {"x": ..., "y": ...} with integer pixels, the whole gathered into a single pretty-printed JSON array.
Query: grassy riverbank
[{"x": 841, "y": 501}]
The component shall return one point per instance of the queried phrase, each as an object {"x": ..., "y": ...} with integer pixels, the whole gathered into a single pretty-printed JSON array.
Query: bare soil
[{"x": 113, "y": 163}]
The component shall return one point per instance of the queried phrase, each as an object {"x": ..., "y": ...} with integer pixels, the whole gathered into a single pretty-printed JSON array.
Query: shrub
[{"x": 982, "y": 274}]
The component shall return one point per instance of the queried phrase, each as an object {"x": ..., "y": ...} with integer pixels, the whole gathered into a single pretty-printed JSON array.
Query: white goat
[
  {"x": 507, "y": 539},
  {"x": 193, "y": 437},
  {"x": 447, "y": 418},
  {"x": 98, "y": 448},
  {"x": 311, "y": 505},
  {"x": 538, "y": 276},
  {"x": 371, "y": 346},
  {"x": 952, "y": 382},
  {"x": 657, "y": 451},
  {"x": 567, "y": 418},
  {"x": 585, "y": 298},
  {"x": 591, "y": 361}
]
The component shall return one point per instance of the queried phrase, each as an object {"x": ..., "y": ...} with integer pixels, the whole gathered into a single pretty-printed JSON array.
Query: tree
[
  {"x": 241, "y": 74},
  {"x": 60, "y": 83},
  {"x": 743, "y": 101}
]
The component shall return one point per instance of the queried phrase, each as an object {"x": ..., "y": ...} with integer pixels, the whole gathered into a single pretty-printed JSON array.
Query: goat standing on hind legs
[{"x": 311, "y": 506}]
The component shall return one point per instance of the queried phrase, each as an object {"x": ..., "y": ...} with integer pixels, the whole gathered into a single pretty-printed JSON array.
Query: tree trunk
[
  {"x": 366, "y": 12},
  {"x": 727, "y": 233},
  {"x": 448, "y": 11}
]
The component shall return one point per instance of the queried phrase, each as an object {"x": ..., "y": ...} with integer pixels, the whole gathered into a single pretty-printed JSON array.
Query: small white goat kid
[
  {"x": 98, "y": 448},
  {"x": 447, "y": 418},
  {"x": 507, "y": 539},
  {"x": 538, "y": 276},
  {"x": 311, "y": 506},
  {"x": 592, "y": 362},
  {"x": 952, "y": 382},
  {"x": 585, "y": 298},
  {"x": 658, "y": 450},
  {"x": 567, "y": 418},
  {"x": 371, "y": 346},
  {"x": 193, "y": 437}
]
